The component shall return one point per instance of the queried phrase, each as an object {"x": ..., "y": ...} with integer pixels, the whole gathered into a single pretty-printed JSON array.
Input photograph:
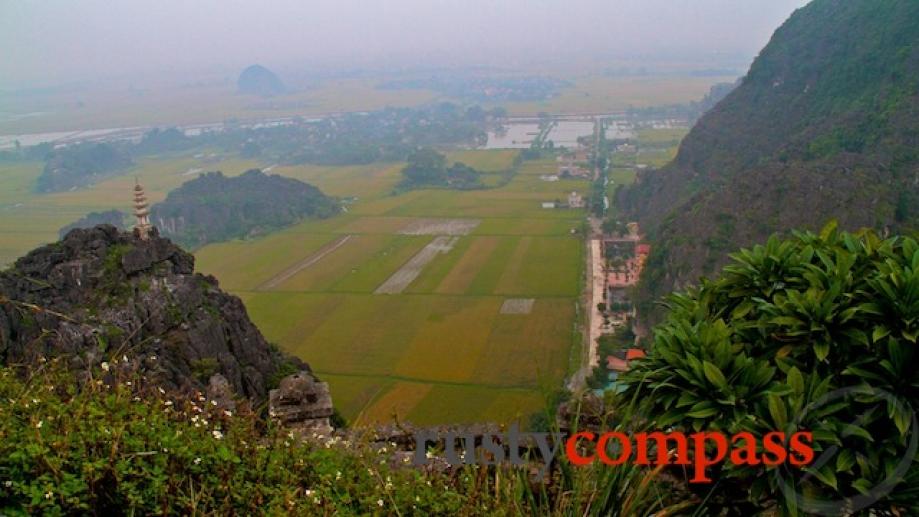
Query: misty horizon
[{"x": 57, "y": 43}]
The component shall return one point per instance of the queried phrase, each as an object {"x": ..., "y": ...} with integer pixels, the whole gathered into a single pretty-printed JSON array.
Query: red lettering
[
  {"x": 602, "y": 448},
  {"x": 701, "y": 461},
  {"x": 571, "y": 449},
  {"x": 663, "y": 450},
  {"x": 803, "y": 452},
  {"x": 749, "y": 447},
  {"x": 775, "y": 453}
]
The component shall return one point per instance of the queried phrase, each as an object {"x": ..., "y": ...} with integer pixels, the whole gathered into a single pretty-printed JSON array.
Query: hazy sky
[{"x": 56, "y": 41}]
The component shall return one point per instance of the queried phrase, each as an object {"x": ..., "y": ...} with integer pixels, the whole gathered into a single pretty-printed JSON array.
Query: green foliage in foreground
[
  {"x": 814, "y": 333},
  {"x": 120, "y": 446}
]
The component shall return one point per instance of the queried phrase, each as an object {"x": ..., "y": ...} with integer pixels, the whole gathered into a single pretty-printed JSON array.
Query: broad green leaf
[
  {"x": 778, "y": 412},
  {"x": 714, "y": 375},
  {"x": 796, "y": 380}
]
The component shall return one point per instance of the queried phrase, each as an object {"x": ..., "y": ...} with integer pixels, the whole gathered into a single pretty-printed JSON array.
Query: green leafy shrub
[{"x": 815, "y": 333}]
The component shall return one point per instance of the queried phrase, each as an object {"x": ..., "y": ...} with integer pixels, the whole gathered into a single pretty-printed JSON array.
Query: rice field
[{"x": 440, "y": 348}]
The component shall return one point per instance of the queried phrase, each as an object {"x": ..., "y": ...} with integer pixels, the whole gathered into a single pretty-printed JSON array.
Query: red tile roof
[
  {"x": 616, "y": 364},
  {"x": 634, "y": 353}
]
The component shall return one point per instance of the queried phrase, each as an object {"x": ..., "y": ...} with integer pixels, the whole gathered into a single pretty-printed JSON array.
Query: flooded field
[
  {"x": 565, "y": 133},
  {"x": 515, "y": 136}
]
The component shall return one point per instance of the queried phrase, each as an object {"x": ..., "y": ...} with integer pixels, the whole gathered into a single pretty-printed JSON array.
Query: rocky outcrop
[
  {"x": 302, "y": 404},
  {"x": 101, "y": 294}
]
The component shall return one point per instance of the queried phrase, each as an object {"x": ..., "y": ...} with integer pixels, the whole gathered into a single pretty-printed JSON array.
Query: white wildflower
[
  {"x": 167, "y": 403},
  {"x": 197, "y": 461},
  {"x": 104, "y": 365},
  {"x": 380, "y": 503},
  {"x": 49, "y": 494},
  {"x": 7, "y": 483},
  {"x": 39, "y": 424},
  {"x": 227, "y": 413},
  {"x": 162, "y": 391},
  {"x": 217, "y": 434}
]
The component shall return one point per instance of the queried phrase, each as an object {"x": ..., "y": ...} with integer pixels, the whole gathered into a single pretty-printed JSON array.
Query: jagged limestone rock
[
  {"x": 102, "y": 294},
  {"x": 302, "y": 404}
]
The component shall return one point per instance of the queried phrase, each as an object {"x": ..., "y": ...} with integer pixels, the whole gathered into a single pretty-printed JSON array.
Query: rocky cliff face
[{"x": 101, "y": 294}]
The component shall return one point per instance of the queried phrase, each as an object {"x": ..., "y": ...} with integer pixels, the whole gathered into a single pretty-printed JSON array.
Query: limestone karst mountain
[
  {"x": 258, "y": 80},
  {"x": 824, "y": 126}
]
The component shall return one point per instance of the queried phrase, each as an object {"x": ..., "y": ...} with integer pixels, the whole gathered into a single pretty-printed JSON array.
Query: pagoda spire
[{"x": 141, "y": 211}]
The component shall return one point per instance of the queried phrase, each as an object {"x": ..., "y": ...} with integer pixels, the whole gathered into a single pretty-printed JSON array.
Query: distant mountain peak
[{"x": 258, "y": 80}]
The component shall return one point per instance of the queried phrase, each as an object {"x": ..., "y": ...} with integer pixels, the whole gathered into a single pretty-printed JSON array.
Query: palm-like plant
[{"x": 818, "y": 333}]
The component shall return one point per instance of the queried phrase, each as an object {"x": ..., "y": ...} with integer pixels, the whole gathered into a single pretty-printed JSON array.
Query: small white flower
[
  {"x": 104, "y": 365},
  {"x": 317, "y": 500},
  {"x": 217, "y": 434},
  {"x": 229, "y": 413},
  {"x": 167, "y": 403},
  {"x": 308, "y": 492},
  {"x": 380, "y": 503},
  {"x": 124, "y": 358},
  {"x": 35, "y": 401},
  {"x": 7, "y": 483},
  {"x": 213, "y": 402},
  {"x": 337, "y": 475},
  {"x": 49, "y": 494},
  {"x": 197, "y": 461},
  {"x": 162, "y": 391},
  {"x": 39, "y": 424}
]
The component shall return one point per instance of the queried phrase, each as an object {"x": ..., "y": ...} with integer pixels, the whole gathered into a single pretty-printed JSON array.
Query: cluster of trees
[
  {"x": 388, "y": 135},
  {"x": 79, "y": 165},
  {"x": 213, "y": 207},
  {"x": 428, "y": 168}
]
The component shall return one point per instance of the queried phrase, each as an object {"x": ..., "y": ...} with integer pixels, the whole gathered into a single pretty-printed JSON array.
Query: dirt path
[
  {"x": 593, "y": 295},
  {"x": 411, "y": 269},
  {"x": 288, "y": 273}
]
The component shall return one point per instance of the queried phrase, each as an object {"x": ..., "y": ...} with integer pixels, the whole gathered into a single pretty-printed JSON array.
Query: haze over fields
[{"x": 58, "y": 42}]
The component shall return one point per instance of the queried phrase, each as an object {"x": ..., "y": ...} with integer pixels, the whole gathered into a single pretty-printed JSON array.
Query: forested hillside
[{"x": 824, "y": 126}]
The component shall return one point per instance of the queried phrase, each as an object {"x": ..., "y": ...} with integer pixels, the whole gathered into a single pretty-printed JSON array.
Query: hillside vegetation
[
  {"x": 214, "y": 207},
  {"x": 823, "y": 126}
]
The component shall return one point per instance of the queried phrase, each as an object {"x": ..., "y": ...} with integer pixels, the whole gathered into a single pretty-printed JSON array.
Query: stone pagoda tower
[{"x": 141, "y": 211}]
